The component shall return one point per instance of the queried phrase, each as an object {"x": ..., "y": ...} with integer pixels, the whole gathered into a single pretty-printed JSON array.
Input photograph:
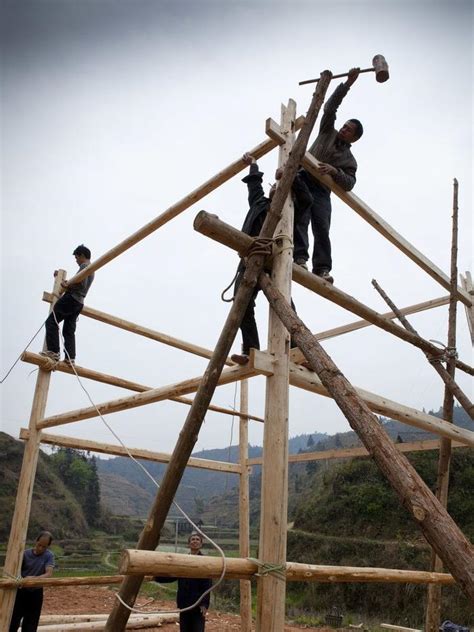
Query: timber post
[
  {"x": 433, "y": 602},
  {"x": 26, "y": 481},
  {"x": 271, "y": 589},
  {"x": 244, "y": 508}
]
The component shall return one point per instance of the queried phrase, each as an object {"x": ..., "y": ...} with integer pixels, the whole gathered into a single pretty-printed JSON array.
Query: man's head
[
  {"x": 82, "y": 254},
  {"x": 351, "y": 131},
  {"x": 43, "y": 541},
  {"x": 195, "y": 542}
]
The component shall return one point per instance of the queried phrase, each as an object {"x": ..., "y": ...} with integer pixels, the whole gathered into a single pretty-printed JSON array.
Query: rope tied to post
[
  {"x": 260, "y": 246},
  {"x": 445, "y": 354},
  {"x": 265, "y": 568},
  {"x": 16, "y": 578}
]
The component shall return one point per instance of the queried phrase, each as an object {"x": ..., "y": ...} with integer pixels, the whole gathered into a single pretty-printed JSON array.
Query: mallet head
[{"x": 380, "y": 68}]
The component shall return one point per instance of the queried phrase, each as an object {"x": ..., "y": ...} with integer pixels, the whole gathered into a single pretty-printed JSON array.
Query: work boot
[
  {"x": 324, "y": 274},
  {"x": 69, "y": 361},
  {"x": 52, "y": 355},
  {"x": 241, "y": 359},
  {"x": 302, "y": 263}
]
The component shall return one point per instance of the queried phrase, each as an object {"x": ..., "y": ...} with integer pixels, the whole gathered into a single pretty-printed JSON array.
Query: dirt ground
[{"x": 95, "y": 600}]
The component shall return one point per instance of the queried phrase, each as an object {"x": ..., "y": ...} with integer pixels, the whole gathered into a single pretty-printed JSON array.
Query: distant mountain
[{"x": 197, "y": 486}]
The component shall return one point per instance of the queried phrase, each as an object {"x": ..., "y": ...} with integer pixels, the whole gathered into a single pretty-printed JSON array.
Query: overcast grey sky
[{"x": 114, "y": 110}]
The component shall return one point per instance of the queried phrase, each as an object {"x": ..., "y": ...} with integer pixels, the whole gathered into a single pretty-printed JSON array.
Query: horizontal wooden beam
[
  {"x": 297, "y": 356},
  {"x": 147, "y": 455},
  {"x": 213, "y": 227},
  {"x": 176, "y": 209},
  {"x": 309, "y": 381},
  {"x": 350, "y": 453},
  {"x": 146, "y": 332},
  {"x": 33, "y": 582},
  {"x": 104, "y": 378},
  {"x": 228, "y": 376},
  {"x": 310, "y": 163},
  {"x": 139, "y": 562}
]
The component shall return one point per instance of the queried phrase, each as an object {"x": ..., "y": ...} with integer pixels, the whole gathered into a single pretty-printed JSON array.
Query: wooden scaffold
[{"x": 282, "y": 368}]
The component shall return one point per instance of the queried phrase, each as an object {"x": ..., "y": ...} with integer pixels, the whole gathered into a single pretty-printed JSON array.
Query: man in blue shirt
[{"x": 37, "y": 562}]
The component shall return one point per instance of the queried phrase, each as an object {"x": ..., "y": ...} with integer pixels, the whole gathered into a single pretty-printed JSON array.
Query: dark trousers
[
  {"x": 27, "y": 606},
  {"x": 248, "y": 326},
  {"x": 67, "y": 309},
  {"x": 319, "y": 213},
  {"x": 191, "y": 621}
]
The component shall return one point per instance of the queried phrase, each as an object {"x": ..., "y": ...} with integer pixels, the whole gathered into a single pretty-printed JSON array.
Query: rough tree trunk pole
[
  {"x": 434, "y": 521},
  {"x": 450, "y": 383},
  {"x": 150, "y": 535},
  {"x": 433, "y": 601},
  {"x": 21, "y": 515}
]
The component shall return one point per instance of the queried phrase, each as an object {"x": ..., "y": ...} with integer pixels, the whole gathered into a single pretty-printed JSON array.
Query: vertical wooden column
[
  {"x": 21, "y": 514},
  {"x": 244, "y": 512},
  {"x": 433, "y": 603},
  {"x": 274, "y": 508}
]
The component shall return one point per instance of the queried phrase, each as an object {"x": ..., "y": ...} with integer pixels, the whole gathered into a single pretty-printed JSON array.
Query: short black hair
[
  {"x": 82, "y": 250},
  {"x": 359, "y": 128},
  {"x": 45, "y": 534}
]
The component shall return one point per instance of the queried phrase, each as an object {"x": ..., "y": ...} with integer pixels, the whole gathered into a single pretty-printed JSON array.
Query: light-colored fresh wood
[
  {"x": 310, "y": 163},
  {"x": 211, "y": 226},
  {"x": 147, "y": 455},
  {"x": 437, "y": 526},
  {"x": 400, "y": 628},
  {"x": 136, "y": 562},
  {"x": 229, "y": 375},
  {"x": 51, "y": 619},
  {"x": 146, "y": 332},
  {"x": 141, "y": 622},
  {"x": 309, "y": 381},
  {"x": 21, "y": 514},
  {"x": 34, "y": 358},
  {"x": 190, "y": 431},
  {"x": 49, "y": 582},
  {"x": 297, "y": 357},
  {"x": 466, "y": 283},
  {"x": 244, "y": 508},
  {"x": 274, "y": 495},
  {"x": 351, "y": 453}
]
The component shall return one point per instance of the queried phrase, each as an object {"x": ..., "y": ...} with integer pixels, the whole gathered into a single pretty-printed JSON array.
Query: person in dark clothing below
[
  {"x": 37, "y": 562},
  {"x": 189, "y": 592},
  {"x": 333, "y": 149},
  {"x": 68, "y": 308},
  {"x": 259, "y": 205}
]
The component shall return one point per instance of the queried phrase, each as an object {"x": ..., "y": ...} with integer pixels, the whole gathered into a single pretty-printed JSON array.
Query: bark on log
[
  {"x": 179, "y": 565},
  {"x": 436, "y": 524}
]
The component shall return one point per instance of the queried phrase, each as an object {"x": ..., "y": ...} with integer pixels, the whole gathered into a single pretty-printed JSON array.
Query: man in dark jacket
[
  {"x": 333, "y": 149},
  {"x": 67, "y": 309},
  {"x": 258, "y": 207},
  {"x": 190, "y": 590}
]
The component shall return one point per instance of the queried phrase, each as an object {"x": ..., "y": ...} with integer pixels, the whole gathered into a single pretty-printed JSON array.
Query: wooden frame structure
[{"x": 281, "y": 367}]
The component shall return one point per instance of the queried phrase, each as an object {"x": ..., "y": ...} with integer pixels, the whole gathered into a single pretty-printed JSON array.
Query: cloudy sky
[{"x": 112, "y": 110}]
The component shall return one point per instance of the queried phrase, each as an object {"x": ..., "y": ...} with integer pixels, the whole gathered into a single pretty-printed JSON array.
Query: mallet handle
[{"x": 345, "y": 74}]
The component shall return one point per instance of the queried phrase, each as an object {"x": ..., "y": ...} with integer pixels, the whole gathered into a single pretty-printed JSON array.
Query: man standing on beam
[{"x": 333, "y": 149}]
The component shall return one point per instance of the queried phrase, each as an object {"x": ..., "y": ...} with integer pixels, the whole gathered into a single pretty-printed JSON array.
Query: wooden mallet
[{"x": 379, "y": 66}]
